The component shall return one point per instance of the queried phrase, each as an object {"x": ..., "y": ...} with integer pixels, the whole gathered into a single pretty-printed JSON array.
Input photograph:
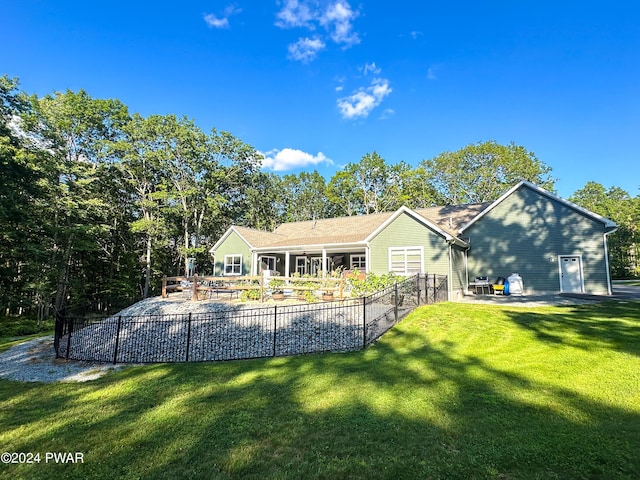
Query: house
[{"x": 553, "y": 244}]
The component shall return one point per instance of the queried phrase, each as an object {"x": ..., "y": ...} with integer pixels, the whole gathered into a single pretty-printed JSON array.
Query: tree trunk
[{"x": 147, "y": 276}]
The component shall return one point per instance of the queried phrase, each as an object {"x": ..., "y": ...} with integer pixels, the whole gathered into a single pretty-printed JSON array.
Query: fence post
[
  {"x": 58, "y": 333},
  {"x": 115, "y": 350},
  {"x": 194, "y": 297},
  {"x": 364, "y": 322},
  {"x": 188, "y": 337},
  {"x": 418, "y": 288},
  {"x": 164, "y": 286},
  {"x": 275, "y": 327},
  {"x": 70, "y": 321},
  {"x": 395, "y": 302}
]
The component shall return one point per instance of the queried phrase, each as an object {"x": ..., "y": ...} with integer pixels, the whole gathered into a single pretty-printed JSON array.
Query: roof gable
[
  {"x": 525, "y": 184},
  {"x": 252, "y": 237}
]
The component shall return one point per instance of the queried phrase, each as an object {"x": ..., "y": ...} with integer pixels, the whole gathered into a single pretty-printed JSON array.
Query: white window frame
[
  {"x": 404, "y": 250},
  {"x": 232, "y": 264},
  {"x": 360, "y": 263},
  {"x": 301, "y": 262},
  {"x": 270, "y": 259}
]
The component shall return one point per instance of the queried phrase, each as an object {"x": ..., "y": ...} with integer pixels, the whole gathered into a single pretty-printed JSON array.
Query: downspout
[
  {"x": 450, "y": 282},
  {"x": 606, "y": 261}
]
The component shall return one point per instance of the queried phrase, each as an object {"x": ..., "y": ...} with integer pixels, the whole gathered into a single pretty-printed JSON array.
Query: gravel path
[{"x": 35, "y": 361}]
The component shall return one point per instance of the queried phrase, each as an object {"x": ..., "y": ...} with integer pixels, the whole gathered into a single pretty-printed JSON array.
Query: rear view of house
[{"x": 554, "y": 245}]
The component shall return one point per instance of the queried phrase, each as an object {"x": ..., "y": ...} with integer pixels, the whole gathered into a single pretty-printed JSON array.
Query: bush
[
  {"x": 252, "y": 294},
  {"x": 18, "y": 327},
  {"x": 372, "y": 283}
]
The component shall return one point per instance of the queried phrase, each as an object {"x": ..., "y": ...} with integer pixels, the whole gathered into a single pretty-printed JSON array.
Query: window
[
  {"x": 359, "y": 262},
  {"x": 301, "y": 265},
  {"x": 267, "y": 263},
  {"x": 233, "y": 264},
  {"x": 405, "y": 260}
]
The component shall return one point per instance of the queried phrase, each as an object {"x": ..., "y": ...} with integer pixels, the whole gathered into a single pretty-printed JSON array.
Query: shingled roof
[{"x": 354, "y": 229}]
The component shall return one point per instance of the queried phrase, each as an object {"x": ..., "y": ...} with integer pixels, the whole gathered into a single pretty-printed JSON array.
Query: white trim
[
  {"x": 606, "y": 262},
  {"x": 607, "y": 223},
  {"x": 254, "y": 263},
  {"x": 404, "y": 250},
  {"x": 224, "y": 237},
  {"x": 298, "y": 258},
  {"x": 581, "y": 266},
  {"x": 359, "y": 255},
  {"x": 224, "y": 267},
  {"x": 450, "y": 292},
  {"x": 419, "y": 218},
  {"x": 270, "y": 257}
]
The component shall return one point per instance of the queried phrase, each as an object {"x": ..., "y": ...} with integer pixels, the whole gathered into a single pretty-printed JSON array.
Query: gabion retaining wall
[{"x": 238, "y": 332}]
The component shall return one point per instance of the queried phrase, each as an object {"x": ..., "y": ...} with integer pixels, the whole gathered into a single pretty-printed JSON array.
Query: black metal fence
[{"x": 237, "y": 332}]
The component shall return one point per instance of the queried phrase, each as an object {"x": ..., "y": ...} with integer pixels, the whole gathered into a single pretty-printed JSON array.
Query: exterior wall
[
  {"x": 526, "y": 232},
  {"x": 458, "y": 272},
  {"x": 233, "y": 245},
  {"x": 405, "y": 231}
]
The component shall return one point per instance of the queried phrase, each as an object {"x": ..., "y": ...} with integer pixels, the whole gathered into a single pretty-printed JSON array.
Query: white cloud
[
  {"x": 371, "y": 68},
  {"x": 415, "y": 34},
  {"x": 223, "y": 20},
  {"x": 289, "y": 159},
  {"x": 305, "y": 49},
  {"x": 387, "y": 113},
  {"x": 335, "y": 16},
  {"x": 294, "y": 14},
  {"x": 361, "y": 103},
  {"x": 337, "y": 19}
]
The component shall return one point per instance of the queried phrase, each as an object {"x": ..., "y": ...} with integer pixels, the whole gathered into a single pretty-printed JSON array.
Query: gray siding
[
  {"x": 458, "y": 271},
  {"x": 405, "y": 231},
  {"x": 526, "y": 232}
]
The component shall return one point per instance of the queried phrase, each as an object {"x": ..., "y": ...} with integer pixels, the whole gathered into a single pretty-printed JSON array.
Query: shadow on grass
[
  {"x": 408, "y": 407},
  {"x": 603, "y": 325}
]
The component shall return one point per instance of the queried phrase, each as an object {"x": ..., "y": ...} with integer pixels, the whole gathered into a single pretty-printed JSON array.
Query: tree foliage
[
  {"x": 482, "y": 172},
  {"x": 97, "y": 203},
  {"x": 616, "y": 204}
]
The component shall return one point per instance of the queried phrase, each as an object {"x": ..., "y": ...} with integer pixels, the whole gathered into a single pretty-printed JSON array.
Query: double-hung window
[
  {"x": 233, "y": 264},
  {"x": 406, "y": 260}
]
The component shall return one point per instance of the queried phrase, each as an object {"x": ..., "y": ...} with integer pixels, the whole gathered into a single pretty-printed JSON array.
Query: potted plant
[
  {"x": 277, "y": 288},
  {"x": 327, "y": 295}
]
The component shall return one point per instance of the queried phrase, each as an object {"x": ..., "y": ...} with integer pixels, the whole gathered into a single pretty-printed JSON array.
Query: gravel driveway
[{"x": 35, "y": 361}]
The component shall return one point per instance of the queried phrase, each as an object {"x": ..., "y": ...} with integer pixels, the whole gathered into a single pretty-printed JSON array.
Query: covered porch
[{"x": 315, "y": 260}]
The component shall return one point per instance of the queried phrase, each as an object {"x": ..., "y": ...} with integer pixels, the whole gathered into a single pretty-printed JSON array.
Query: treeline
[{"x": 97, "y": 203}]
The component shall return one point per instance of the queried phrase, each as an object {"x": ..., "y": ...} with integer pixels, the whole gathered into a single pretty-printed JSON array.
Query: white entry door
[{"x": 571, "y": 274}]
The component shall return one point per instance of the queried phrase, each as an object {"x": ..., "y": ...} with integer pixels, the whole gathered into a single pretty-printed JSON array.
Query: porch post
[
  {"x": 324, "y": 262},
  {"x": 287, "y": 264},
  {"x": 254, "y": 264}
]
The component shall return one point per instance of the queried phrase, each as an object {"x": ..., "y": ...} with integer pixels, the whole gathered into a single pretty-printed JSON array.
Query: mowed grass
[{"x": 455, "y": 391}]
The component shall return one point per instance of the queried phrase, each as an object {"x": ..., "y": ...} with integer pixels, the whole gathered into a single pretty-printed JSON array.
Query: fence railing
[{"x": 235, "y": 332}]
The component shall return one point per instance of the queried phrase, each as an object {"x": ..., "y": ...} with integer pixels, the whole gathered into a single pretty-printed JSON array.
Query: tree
[
  {"x": 73, "y": 128},
  {"x": 304, "y": 196},
  {"x": 23, "y": 168},
  {"x": 616, "y": 204},
  {"x": 369, "y": 186},
  {"x": 482, "y": 172}
]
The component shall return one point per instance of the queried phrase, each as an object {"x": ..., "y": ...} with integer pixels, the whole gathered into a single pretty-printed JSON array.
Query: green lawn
[{"x": 454, "y": 392}]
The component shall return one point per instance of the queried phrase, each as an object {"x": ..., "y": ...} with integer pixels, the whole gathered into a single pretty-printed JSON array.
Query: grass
[{"x": 455, "y": 391}]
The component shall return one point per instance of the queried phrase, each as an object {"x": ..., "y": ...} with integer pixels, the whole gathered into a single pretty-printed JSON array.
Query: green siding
[
  {"x": 526, "y": 232},
  {"x": 405, "y": 231},
  {"x": 458, "y": 270},
  {"x": 233, "y": 245}
]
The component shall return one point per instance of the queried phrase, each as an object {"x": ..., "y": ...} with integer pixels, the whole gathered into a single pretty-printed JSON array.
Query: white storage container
[{"x": 516, "y": 286}]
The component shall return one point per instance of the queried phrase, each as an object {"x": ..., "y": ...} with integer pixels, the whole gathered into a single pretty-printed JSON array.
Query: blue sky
[{"x": 316, "y": 84}]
